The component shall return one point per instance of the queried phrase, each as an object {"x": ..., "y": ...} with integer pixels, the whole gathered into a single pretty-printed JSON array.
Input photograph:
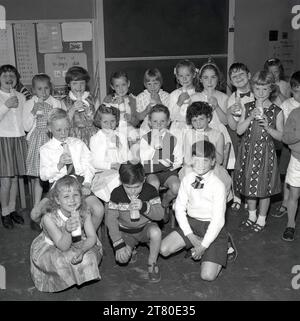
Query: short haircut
[
  {"x": 236, "y": 67},
  {"x": 77, "y": 73},
  {"x": 153, "y": 73},
  {"x": 275, "y": 62},
  {"x": 117, "y": 75},
  {"x": 41, "y": 77},
  {"x": 104, "y": 109},
  {"x": 196, "y": 109},
  {"x": 55, "y": 114},
  {"x": 262, "y": 77},
  {"x": 131, "y": 173},
  {"x": 160, "y": 109},
  {"x": 10, "y": 68},
  {"x": 204, "y": 147},
  {"x": 295, "y": 79}
]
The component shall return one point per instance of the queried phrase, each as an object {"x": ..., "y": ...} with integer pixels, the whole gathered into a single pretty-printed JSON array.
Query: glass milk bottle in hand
[
  {"x": 259, "y": 107},
  {"x": 134, "y": 214},
  {"x": 79, "y": 98},
  {"x": 76, "y": 234},
  {"x": 237, "y": 106}
]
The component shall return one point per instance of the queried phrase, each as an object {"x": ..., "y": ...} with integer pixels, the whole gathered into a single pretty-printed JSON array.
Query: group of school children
[{"x": 131, "y": 161}]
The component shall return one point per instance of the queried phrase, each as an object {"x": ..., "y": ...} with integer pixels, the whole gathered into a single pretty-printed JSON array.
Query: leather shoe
[
  {"x": 17, "y": 218},
  {"x": 7, "y": 222}
]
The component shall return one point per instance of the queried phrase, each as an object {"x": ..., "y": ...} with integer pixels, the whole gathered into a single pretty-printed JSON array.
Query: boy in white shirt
[
  {"x": 200, "y": 211},
  {"x": 64, "y": 155}
]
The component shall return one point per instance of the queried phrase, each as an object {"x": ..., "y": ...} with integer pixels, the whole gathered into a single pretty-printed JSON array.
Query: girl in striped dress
[{"x": 35, "y": 116}]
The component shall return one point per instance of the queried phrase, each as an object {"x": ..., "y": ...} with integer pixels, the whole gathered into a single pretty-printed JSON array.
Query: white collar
[
  {"x": 48, "y": 100},
  {"x": 205, "y": 176},
  {"x": 62, "y": 216}
]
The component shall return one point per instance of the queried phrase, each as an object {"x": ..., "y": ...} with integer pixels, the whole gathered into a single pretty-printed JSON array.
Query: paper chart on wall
[
  {"x": 77, "y": 31},
  {"x": 7, "y": 51},
  {"x": 49, "y": 37},
  {"x": 25, "y": 51},
  {"x": 56, "y": 65}
]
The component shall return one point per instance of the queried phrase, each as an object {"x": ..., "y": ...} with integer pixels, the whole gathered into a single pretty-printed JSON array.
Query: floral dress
[
  {"x": 256, "y": 172},
  {"x": 51, "y": 268}
]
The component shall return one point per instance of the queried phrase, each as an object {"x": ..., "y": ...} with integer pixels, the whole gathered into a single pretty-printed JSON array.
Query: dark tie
[
  {"x": 245, "y": 94},
  {"x": 198, "y": 182},
  {"x": 70, "y": 167}
]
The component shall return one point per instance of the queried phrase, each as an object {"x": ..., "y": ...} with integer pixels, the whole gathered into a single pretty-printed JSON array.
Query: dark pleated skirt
[{"x": 13, "y": 152}]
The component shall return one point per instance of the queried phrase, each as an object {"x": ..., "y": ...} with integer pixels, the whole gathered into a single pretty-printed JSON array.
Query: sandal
[
  {"x": 257, "y": 228},
  {"x": 235, "y": 206},
  {"x": 154, "y": 275},
  {"x": 280, "y": 211},
  {"x": 246, "y": 224},
  {"x": 232, "y": 252}
]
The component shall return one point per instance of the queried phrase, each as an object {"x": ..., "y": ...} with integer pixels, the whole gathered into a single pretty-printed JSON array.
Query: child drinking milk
[
  {"x": 59, "y": 259},
  {"x": 109, "y": 149},
  {"x": 125, "y": 103},
  {"x": 13, "y": 145},
  {"x": 256, "y": 174},
  {"x": 35, "y": 115},
  {"x": 80, "y": 104},
  {"x": 151, "y": 96}
]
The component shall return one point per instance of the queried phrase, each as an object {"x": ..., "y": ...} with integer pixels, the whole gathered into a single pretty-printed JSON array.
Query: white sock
[
  {"x": 261, "y": 220},
  {"x": 12, "y": 206},
  {"x": 5, "y": 211},
  {"x": 252, "y": 215}
]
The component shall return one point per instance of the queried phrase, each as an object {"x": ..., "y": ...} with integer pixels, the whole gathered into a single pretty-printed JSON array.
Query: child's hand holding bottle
[
  {"x": 135, "y": 207},
  {"x": 183, "y": 98},
  {"x": 211, "y": 100},
  {"x": 78, "y": 105},
  {"x": 12, "y": 101},
  {"x": 236, "y": 108}
]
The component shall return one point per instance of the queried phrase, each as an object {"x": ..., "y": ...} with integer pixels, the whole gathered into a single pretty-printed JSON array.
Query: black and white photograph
[{"x": 149, "y": 153}]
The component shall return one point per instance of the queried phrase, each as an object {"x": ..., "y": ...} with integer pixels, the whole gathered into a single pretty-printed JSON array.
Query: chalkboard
[
  {"x": 136, "y": 69},
  {"x": 135, "y": 28}
]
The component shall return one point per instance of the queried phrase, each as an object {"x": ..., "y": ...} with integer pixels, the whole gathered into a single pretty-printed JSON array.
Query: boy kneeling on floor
[
  {"x": 200, "y": 211},
  {"x": 132, "y": 211}
]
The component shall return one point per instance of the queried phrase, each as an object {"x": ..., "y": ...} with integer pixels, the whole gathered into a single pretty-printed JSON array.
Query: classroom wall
[
  {"x": 48, "y": 9},
  {"x": 253, "y": 20}
]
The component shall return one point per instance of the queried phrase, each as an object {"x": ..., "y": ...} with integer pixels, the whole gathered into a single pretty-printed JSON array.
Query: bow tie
[
  {"x": 197, "y": 184},
  {"x": 245, "y": 94}
]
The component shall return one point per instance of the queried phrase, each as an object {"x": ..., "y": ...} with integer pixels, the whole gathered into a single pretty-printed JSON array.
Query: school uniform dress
[
  {"x": 107, "y": 147},
  {"x": 35, "y": 117},
  {"x": 256, "y": 173},
  {"x": 200, "y": 209},
  {"x": 291, "y": 137},
  {"x": 155, "y": 151},
  {"x": 287, "y": 107},
  {"x": 51, "y": 269},
  {"x": 244, "y": 99},
  {"x": 178, "y": 114},
  {"x": 118, "y": 221},
  {"x": 213, "y": 136},
  {"x": 143, "y": 100},
  {"x": 13, "y": 145},
  {"x": 82, "y": 125},
  {"x": 81, "y": 157},
  {"x": 215, "y": 123}
]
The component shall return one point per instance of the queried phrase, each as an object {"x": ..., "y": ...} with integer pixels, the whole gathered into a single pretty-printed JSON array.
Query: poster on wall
[
  {"x": 25, "y": 51},
  {"x": 56, "y": 65},
  {"x": 7, "y": 51},
  {"x": 77, "y": 31},
  {"x": 49, "y": 37}
]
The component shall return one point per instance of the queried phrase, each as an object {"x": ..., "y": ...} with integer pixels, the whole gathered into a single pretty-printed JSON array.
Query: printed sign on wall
[{"x": 56, "y": 65}]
